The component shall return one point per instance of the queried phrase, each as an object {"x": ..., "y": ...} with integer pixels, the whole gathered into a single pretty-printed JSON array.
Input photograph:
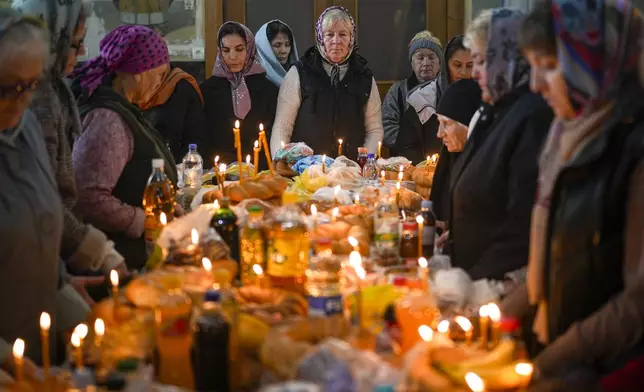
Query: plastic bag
[
  {"x": 316, "y": 160},
  {"x": 345, "y": 176},
  {"x": 232, "y": 171},
  {"x": 453, "y": 287},
  {"x": 393, "y": 163},
  {"x": 328, "y": 194},
  {"x": 343, "y": 161},
  {"x": 313, "y": 178},
  {"x": 293, "y": 152}
]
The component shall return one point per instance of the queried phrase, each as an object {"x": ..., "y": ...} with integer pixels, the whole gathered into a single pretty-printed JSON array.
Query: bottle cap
[
  {"x": 427, "y": 204},
  {"x": 363, "y": 150},
  {"x": 510, "y": 324},
  {"x": 192, "y": 147},
  {"x": 212, "y": 296},
  {"x": 157, "y": 163},
  {"x": 409, "y": 225},
  {"x": 371, "y": 156}
]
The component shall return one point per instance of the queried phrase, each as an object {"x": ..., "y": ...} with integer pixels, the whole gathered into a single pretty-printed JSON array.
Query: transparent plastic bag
[
  {"x": 343, "y": 161},
  {"x": 345, "y": 176},
  {"x": 328, "y": 194},
  {"x": 452, "y": 287},
  {"x": 393, "y": 163}
]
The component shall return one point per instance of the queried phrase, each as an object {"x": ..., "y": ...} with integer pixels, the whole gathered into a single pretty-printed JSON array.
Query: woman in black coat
[
  {"x": 237, "y": 90},
  {"x": 493, "y": 182}
]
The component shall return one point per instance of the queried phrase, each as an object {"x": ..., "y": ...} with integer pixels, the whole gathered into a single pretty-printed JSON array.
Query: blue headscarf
[{"x": 274, "y": 70}]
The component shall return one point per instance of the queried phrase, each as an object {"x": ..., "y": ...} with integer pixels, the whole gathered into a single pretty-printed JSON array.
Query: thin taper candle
[{"x": 45, "y": 324}]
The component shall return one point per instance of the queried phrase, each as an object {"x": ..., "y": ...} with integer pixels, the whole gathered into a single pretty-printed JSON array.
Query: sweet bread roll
[
  {"x": 249, "y": 189},
  {"x": 211, "y": 196},
  {"x": 333, "y": 231},
  {"x": 276, "y": 186},
  {"x": 423, "y": 177},
  {"x": 423, "y": 191},
  {"x": 409, "y": 200}
]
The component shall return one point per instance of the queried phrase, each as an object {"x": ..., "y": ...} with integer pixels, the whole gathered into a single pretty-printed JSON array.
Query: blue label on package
[{"x": 325, "y": 306}]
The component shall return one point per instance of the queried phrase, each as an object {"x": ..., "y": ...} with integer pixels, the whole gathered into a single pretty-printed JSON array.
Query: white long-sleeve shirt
[{"x": 290, "y": 99}]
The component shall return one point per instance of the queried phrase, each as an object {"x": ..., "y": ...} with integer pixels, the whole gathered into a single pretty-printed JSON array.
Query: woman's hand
[
  {"x": 453, "y": 133},
  {"x": 441, "y": 242},
  {"x": 79, "y": 283}
]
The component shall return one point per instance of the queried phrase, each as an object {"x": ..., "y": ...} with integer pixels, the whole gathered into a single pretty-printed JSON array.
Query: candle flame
[
  {"x": 114, "y": 278},
  {"x": 216, "y": 160},
  {"x": 76, "y": 341},
  {"x": 99, "y": 327},
  {"x": 258, "y": 270},
  {"x": 314, "y": 210},
  {"x": 256, "y": 145},
  {"x": 398, "y": 186},
  {"x": 426, "y": 333},
  {"x": 382, "y": 173},
  {"x": 248, "y": 159},
  {"x": 443, "y": 327},
  {"x": 494, "y": 312},
  {"x": 484, "y": 311},
  {"x": 357, "y": 198},
  {"x": 524, "y": 369},
  {"x": 422, "y": 262},
  {"x": 340, "y": 141},
  {"x": 419, "y": 219},
  {"x": 216, "y": 204},
  {"x": 19, "y": 348},
  {"x": 81, "y": 330},
  {"x": 353, "y": 241},
  {"x": 282, "y": 144},
  {"x": 207, "y": 264},
  {"x": 194, "y": 236},
  {"x": 355, "y": 260},
  {"x": 163, "y": 219},
  {"x": 427, "y": 158},
  {"x": 261, "y": 127},
  {"x": 222, "y": 168},
  {"x": 45, "y": 321},
  {"x": 324, "y": 158},
  {"x": 237, "y": 124},
  {"x": 379, "y": 144},
  {"x": 464, "y": 323},
  {"x": 336, "y": 190},
  {"x": 475, "y": 382}
]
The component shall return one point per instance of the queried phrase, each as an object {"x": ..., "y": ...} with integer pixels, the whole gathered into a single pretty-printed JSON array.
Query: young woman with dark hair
[{"x": 277, "y": 50}]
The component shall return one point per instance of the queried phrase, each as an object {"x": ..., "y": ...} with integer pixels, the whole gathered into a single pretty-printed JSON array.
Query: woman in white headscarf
[{"x": 277, "y": 50}]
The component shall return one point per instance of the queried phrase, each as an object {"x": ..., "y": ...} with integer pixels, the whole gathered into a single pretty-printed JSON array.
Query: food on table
[
  {"x": 409, "y": 200},
  {"x": 284, "y": 169},
  {"x": 263, "y": 187}
]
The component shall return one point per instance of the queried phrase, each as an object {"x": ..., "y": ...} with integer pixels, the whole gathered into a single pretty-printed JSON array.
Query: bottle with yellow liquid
[
  {"x": 288, "y": 247},
  {"x": 158, "y": 197},
  {"x": 253, "y": 245}
]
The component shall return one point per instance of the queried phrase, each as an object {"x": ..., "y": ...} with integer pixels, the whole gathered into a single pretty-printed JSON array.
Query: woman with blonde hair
[{"x": 330, "y": 94}]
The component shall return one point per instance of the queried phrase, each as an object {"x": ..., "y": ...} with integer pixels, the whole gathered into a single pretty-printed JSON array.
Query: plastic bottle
[
  {"x": 370, "y": 169},
  {"x": 288, "y": 247},
  {"x": 158, "y": 197},
  {"x": 253, "y": 245},
  {"x": 386, "y": 231},
  {"x": 225, "y": 222},
  {"x": 429, "y": 228},
  {"x": 362, "y": 156},
  {"x": 323, "y": 281},
  {"x": 192, "y": 168},
  {"x": 212, "y": 346}
]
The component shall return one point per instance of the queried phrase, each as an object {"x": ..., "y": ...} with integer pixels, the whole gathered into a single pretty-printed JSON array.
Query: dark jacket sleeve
[
  {"x": 414, "y": 139},
  {"x": 192, "y": 123},
  {"x": 509, "y": 248}
]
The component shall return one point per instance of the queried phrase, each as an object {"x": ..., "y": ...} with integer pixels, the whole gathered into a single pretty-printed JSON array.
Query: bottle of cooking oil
[
  {"x": 158, "y": 198},
  {"x": 288, "y": 247},
  {"x": 253, "y": 245},
  {"x": 323, "y": 281}
]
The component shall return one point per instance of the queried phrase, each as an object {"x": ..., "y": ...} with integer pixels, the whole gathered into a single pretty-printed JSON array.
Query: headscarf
[
  {"x": 274, "y": 70},
  {"x": 598, "y": 49},
  {"x": 164, "y": 89},
  {"x": 241, "y": 96},
  {"x": 506, "y": 68},
  {"x": 130, "y": 49},
  {"x": 426, "y": 43},
  {"x": 335, "y": 67}
]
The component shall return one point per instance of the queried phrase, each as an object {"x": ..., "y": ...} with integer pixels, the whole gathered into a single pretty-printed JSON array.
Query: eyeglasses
[{"x": 17, "y": 90}]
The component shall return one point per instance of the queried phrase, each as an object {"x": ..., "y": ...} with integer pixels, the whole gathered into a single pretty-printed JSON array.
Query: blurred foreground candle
[
  {"x": 467, "y": 327},
  {"x": 424, "y": 274},
  {"x": 259, "y": 276},
  {"x": 443, "y": 328},
  {"x": 207, "y": 266},
  {"x": 495, "y": 317},
  {"x": 355, "y": 260},
  {"x": 339, "y": 147},
  {"x": 379, "y": 150},
  {"x": 484, "y": 322},
  {"x": 248, "y": 166},
  {"x": 324, "y": 163},
  {"x": 18, "y": 358},
  {"x": 357, "y": 199},
  {"x": 45, "y": 324},
  {"x": 78, "y": 347},
  {"x": 474, "y": 382},
  {"x": 238, "y": 148},
  {"x": 400, "y": 173},
  {"x": 99, "y": 332},
  {"x": 382, "y": 177},
  {"x": 426, "y": 333},
  {"x": 114, "y": 279},
  {"x": 420, "y": 220},
  {"x": 262, "y": 138},
  {"x": 354, "y": 243},
  {"x": 398, "y": 194},
  {"x": 336, "y": 192},
  {"x": 256, "y": 157},
  {"x": 314, "y": 216},
  {"x": 524, "y": 370},
  {"x": 222, "y": 175},
  {"x": 163, "y": 219},
  {"x": 334, "y": 214}
]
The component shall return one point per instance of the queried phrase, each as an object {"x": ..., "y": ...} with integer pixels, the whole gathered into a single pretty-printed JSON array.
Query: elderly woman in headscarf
[
  {"x": 427, "y": 63},
  {"x": 277, "y": 50},
  {"x": 330, "y": 94},
  {"x": 30, "y": 206},
  {"x": 586, "y": 249},
  {"x": 237, "y": 90},
  {"x": 493, "y": 182},
  {"x": 112, "y": 157}
]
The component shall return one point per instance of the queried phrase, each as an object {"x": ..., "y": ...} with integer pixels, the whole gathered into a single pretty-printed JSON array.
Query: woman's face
[
  {"x": 281, "y": 47},
  {"x": 452, "y": 133},
  {"x": 233, "y": 51},
  {"x": 547, "y": 79},
  {"x": 337, "y": 38},
  {"x": 16, "y": 79},
  {"x": 479, "y": 69},
  {"x": 140, "y": 88},
  {"x": 425, "y": 64},
  {"x": 77, "y": 47},
  {"x": 460, "y": 65}
]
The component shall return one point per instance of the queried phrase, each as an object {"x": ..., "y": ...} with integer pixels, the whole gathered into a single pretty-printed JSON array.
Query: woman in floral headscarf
[
  {"x": 237, "y": 90},
  {"x": 494, "y": 180},
  {"x": 113, "y": 155},
  {"x": 586, "y": 252},
  {"x": 330, "y": 94}
]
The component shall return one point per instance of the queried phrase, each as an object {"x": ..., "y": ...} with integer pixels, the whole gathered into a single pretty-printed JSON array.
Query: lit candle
[
  {"x": 398, "y": 193},
  {"x": 216, "y": 167},
  {"x": 45, "y": 324},
  {"x": 314, "y": 216},
  {"x": 334, "y": 214},
  {"x": 336, "y": 192},
  {"x": 248, "y": 166},
  {"x": 420, "y": 221},
  {"x": 259, "y": 275},
  {"x": 239, "y": 151},
  {"x": 357, "y": 199},
  {"x": 426, "y": 333},
  {"x": 18, "y": 358},
  {"x": 379, "y": 149},
  {"x": 355, "y": 260},
  {"x": 474, "y": 382},
  {"x": 222, "y": 175},
  {"x": 207, "y": 266},
  {"x": 434, "y": 159},
  {"x": 262, "y": 138},
  {"x": 282, "y": 144},
  {"x": 400, "y": 173},
  {"x": 484, "y": 323},
  {"x": 354, "y": 243},
  {"x": 467, "y": 327},
  {"x": 424, "y": 274},
  {"x": 339, "y": 147},
  {"x": 495, "y": 316},
  {"x": 443, "y": 328},
  {"x": 78, "y": 346},
  {"x": 382, "y": 177},
  {"x": 256, "y": 156},
  {"x": 82, "y": 331},
  {"x": 99, "y": 332},
  {"x": 163, "y": 219},
  {"x": 114, "y": 279},
  {"x": 324, "y": 163},
  {"x": 524, "y": 370},
  {"x": 427, "y": 160}
]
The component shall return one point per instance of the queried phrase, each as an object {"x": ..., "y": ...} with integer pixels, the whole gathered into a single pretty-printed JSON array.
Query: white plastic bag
[
  {"x": 181, "y": 228},
  {"x": 343, "y": 161},
  {"x": 328, "y": 194},
  {"x": 453, "y": 287}
]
